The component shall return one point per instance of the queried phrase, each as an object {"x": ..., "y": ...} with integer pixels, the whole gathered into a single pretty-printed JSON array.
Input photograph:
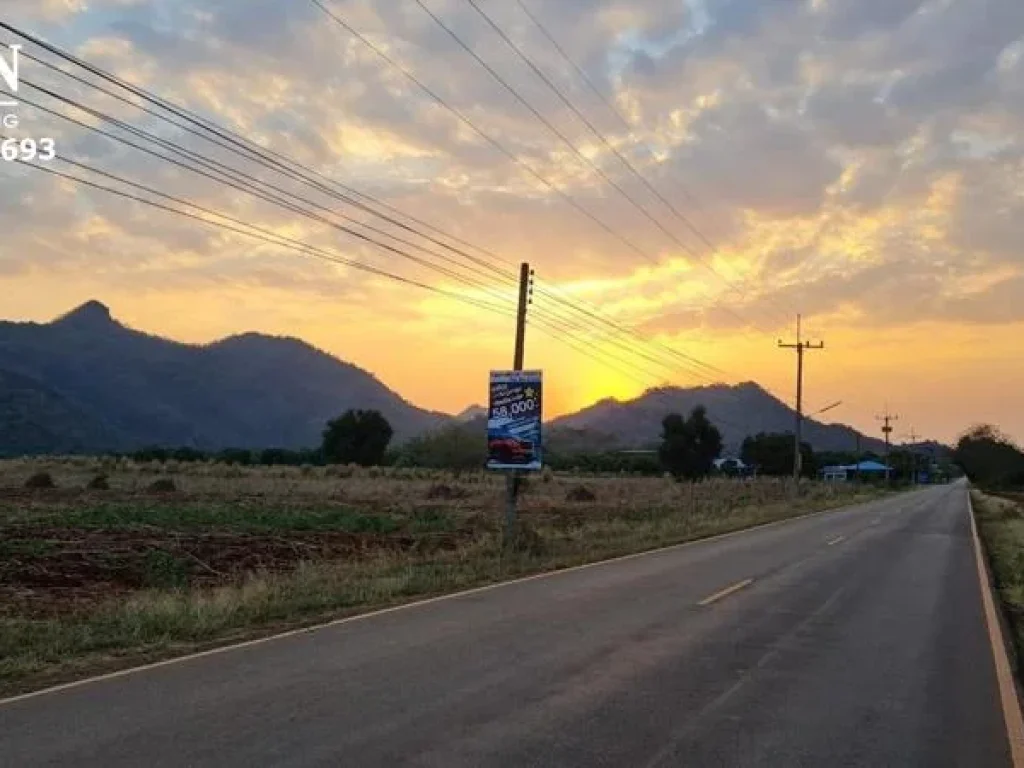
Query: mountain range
[
  {"x": 87, "y": 383},
  {"x": 739, "y": 410}
]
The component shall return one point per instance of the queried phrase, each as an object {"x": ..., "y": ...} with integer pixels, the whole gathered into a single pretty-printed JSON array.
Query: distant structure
[
  {"x": 862, "y": 469},
  {"x": 734, "y": 466}
]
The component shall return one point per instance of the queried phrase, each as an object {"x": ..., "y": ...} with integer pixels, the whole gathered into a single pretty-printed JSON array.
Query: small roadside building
[{"x": 865, "y": 470}]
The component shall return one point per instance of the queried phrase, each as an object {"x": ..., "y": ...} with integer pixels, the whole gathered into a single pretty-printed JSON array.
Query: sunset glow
[{"x": 859, "y": 163}]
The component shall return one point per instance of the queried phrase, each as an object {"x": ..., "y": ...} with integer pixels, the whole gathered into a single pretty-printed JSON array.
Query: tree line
[{"x": 688, "y": 449}]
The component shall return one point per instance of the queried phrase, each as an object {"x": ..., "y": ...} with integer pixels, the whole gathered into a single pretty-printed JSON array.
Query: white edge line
[
  {"x": 416, "y": 604},
  {"x": 1008, "y": 695},
  {"x": 723, "y": 593}
]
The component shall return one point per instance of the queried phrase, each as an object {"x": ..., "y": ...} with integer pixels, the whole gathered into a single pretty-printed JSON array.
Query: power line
[
  {"x": 501, "y": 147},
  {"x": 565, "y": 326},
  {"x": 565, "y": 140},
  {"x": 234, "y": 142},
  {"x": 243, "y": 228},
  {"x": 233, "y": 183},
  {"x": 480, "y": 132},
  {"x": 254, "y": 191},
  {"x": 232, "y": 173},
  {"x": 261, "y": 161},
  {"x": 581, "y": 72},
  {"x": 679, "y": 215}
]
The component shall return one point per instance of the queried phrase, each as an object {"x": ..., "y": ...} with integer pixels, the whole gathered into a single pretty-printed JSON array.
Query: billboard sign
[{"x": 514, "y": 420}]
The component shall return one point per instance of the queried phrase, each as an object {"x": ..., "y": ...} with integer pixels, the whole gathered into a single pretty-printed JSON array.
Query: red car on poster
[{"x": 510, "y": 450}]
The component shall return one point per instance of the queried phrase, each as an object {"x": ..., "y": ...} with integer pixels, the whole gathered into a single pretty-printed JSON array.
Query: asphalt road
[{"x": 860, "y": 641}]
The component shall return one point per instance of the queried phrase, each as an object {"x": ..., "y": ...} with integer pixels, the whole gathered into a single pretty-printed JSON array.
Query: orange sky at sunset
[{"x": 859, "y": 163}]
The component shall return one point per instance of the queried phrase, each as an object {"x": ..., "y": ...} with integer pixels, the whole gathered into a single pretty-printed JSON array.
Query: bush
[
  {"x": 163, "y": 485},
  {"x": 40, "y": 480},
  {"x": 580, "y": 494},
  {"x": 98, "y": 483}
]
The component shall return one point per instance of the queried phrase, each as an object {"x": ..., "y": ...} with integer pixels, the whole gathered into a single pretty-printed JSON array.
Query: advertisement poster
[{"x": 514, "y": 421}]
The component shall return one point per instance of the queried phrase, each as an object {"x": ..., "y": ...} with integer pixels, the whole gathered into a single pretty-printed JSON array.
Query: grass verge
[
  {"x": 178, "y": 618},
  {"x": 1001, "y": 528}
]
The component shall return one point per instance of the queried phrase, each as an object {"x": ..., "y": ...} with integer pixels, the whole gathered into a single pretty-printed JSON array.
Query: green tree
[
  {"x": 357, "y": 437},
  {"x": 772, "y": 454},
  {"x": 989, "y": 458},
  {"x": 690, "y": 446}
]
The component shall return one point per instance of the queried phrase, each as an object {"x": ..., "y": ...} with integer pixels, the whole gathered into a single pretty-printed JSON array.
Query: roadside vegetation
[
  {"x": 1001, "y": 528},
  {"x": 108, "y": 562},
  {"x": 995, "y": 467}
]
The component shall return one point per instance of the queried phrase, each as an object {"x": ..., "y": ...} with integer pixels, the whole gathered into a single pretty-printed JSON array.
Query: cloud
[{"x": 858, "y": 161}]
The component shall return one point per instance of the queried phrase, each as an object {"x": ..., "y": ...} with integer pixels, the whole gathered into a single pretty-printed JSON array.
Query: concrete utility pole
[
  {"x": 800, "y": 346},
  {"x": 887, "y": 428},
  {"x": 512, "y": 479}
]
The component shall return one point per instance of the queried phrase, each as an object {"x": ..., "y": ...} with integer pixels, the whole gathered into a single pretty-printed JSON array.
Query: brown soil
[{"x": 47, "y": 570}]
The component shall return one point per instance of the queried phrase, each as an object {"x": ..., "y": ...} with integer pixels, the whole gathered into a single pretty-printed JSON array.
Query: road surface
[{"x": 853, "y": 638}]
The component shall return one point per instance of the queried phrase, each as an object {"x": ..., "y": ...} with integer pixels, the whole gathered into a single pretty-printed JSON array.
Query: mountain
[
  {"x": 738, "y": 411},
  {"x": 471, "y": 413},
  {"x": 85, "y": 382}
]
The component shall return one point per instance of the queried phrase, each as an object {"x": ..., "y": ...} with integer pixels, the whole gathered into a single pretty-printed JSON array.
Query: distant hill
[
  {"x": 738, "y": 411},
  {"x": 472, "y": 413},
  {"x": 85, "y": 382}
]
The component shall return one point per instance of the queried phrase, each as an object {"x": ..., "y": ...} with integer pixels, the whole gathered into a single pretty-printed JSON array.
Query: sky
[{"x": 737, "y": 162}]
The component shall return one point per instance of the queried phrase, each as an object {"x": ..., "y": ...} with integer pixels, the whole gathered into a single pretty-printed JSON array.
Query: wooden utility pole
[
  {"x": 800, "y": 346},
  {"x": 887, "y": 419},
  {"x": 512, "y": 479}
]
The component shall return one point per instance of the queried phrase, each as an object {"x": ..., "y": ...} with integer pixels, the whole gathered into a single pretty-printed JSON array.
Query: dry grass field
[{"x": 122, "y": 562}]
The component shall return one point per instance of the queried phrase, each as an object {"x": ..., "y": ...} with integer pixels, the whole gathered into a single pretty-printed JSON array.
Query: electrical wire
[
  {"x": 278, "y": 201},
  {"x": 626, "y": 162},
  {"x": 240, "y": 227},
  {"x": 257, "y": 151},
  {"x": 572, "y": 147}
]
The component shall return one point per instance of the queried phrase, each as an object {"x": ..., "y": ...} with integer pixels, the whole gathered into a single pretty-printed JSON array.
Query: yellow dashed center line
[{"x": 726, "y": 592}]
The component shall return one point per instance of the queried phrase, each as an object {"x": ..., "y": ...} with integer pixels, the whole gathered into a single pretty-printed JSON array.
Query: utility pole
[
  {"x": 512, "y": 479},
  {"x": 800, "y": 346},
  {"x": 887, "y": 428},
  {"x": 913, "y": 453}
]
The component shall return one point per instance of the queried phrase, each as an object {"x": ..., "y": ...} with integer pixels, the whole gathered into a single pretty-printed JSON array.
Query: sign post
[{"x": 507, "y": 453}]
